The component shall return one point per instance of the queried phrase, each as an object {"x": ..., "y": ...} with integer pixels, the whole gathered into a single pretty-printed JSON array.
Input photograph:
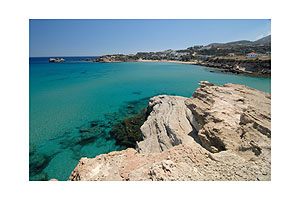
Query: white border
[{"x": 15, "y": 99}]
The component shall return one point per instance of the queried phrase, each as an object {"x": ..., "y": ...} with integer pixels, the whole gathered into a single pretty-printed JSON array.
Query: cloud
[
  {"x": 263, "y": 35},
  {"x": 259, "y": 36}
]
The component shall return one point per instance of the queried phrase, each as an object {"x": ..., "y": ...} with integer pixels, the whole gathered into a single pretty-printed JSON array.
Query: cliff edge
[{"x": 220, "y": 133}]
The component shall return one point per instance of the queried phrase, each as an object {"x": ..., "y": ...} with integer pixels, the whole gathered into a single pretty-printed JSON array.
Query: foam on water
[{"x": 66, "y": 97}]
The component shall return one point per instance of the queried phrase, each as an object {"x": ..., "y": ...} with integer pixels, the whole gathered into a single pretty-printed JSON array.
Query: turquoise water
[{"x": 66, "y": 97}]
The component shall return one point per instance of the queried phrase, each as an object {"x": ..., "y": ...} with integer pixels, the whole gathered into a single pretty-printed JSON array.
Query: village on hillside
[{"x": 240, "y": 50}]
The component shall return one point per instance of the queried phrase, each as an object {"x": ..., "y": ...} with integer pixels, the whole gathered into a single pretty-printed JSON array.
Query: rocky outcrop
[
  {"x": 232, "y": 116},
  {"x": 220, "y": 133},
  {"x": 54, "y": 60},
  {"x": 182, "y": 162},
  {"x": 115, "y": 58},
  {"x": 249, "y": 66},
  {"x": 170, "y": 123}
]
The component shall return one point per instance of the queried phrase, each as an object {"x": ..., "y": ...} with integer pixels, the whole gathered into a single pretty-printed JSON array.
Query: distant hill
[
  {"x": 264, "y": 40},
  {"x": 241, "y": 47},
  {"x": 241, "y": 42}
]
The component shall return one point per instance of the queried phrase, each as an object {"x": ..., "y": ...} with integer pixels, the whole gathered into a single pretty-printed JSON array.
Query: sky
[{"x": 99, "y": 37}]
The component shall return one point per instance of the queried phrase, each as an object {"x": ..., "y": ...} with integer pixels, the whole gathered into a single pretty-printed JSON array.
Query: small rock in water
[
  {"x": 84, "y": 130},
  {"x": 39, "y": 177},
  {"x": 32, "y": 150},
  {"x": 37, "y": 163},
  {"x": 132, "y": 112},
  {"x": 94, "y": 123},
  {"x": 137, "y": 93}
]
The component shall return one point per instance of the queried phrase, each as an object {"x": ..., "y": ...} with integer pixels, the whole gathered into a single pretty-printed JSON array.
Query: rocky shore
[
  {"x": 115, "y": 58},
  {"x": 220, "y": 133},
  {"x": 248, "y": 67}
]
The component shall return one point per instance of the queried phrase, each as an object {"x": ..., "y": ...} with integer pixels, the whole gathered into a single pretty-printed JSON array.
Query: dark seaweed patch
[
  {"x": 43, "y": 176},
  {"x": 137, "y": 93},
  {"x": 128, "y": 132},
  {"x": 37, "y": 163}
]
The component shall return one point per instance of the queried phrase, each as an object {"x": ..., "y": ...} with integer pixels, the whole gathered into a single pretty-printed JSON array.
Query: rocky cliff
[{"x": 220, "y": 133}]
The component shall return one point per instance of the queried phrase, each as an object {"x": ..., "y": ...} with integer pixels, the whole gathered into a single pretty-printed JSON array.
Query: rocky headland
[
  {"x": 220, "y": 133},
  {"x": 254, "y": 67},
  {"x": 115, "y": 58}
]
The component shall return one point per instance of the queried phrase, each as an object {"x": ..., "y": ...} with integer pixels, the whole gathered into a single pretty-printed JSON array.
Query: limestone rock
[
  {"x": 233, "y": 117},
  {"x": 220, "y": 133},
  {"x": 170, "y": 123},
  {"x": 54, "y": 60},
  {"x": 182, "y": 162}
]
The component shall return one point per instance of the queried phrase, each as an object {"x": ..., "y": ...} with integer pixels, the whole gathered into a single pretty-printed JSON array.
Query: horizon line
[{"x": 156, "y": 51}]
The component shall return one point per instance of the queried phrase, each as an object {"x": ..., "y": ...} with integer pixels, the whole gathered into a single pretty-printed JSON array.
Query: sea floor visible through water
[{"x": 74, "y": 105}]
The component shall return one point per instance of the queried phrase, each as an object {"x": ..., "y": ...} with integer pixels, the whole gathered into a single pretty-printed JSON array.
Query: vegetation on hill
[{"x": 231, "y": 56}]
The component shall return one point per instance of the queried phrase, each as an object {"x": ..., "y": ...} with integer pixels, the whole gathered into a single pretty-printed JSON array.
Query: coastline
[
  {"x": 170, "y": 61},
  {"x": 240, "y": 73},
  {"x": 246, "y": 68},
  {"x": 192, "y": 146},
  {"x": 217, "y": 69},
  {"x": 78, "y": 141}
]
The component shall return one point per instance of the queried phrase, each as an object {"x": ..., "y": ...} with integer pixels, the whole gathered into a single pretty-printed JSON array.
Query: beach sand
[{"x": 171, "y": 61}]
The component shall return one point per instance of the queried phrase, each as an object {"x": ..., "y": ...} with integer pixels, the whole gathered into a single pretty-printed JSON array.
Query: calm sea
[{"x": 67, "y": 97}]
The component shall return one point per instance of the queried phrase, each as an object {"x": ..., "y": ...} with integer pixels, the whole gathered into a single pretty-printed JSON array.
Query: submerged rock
[
  {"x": 94, "y": 123},
  {"x": 89, "y": 135},
  {"x": 39, "y": 177},
  {"x": 38, "y": 162},
  {"x": 220, "y": 133}
]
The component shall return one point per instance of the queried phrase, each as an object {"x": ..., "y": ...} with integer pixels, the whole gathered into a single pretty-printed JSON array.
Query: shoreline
[
  {"x": 224, "y": 67},
  {"x": 217, "y": 69},
  {"x": 240, "y": 73},
  {"x": 168, "y": 162},
  {"x": 170, "y": 61}
]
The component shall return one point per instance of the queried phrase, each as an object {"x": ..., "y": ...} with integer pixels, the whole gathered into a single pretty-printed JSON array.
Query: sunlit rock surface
[{"x": 220, "y": 133}]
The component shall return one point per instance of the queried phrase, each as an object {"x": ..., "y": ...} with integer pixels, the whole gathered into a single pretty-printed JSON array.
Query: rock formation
[
  {"x": 54, "y": 60},
  {"x": 232, "y": 116},
  {"x": 255, "y": 67},
  {"x": 220, "y": 133},
  {"x": 170, "y": 123}
]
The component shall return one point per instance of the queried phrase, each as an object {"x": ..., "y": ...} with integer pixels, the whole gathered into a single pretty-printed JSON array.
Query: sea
[{"x": 67, "y": 98}]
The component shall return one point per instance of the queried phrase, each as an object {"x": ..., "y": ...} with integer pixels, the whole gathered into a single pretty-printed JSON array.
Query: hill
[{"x": 264, "y": 40}]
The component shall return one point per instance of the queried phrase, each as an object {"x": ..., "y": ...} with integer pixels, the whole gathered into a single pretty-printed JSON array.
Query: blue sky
[{"x": 100, "y": 37}]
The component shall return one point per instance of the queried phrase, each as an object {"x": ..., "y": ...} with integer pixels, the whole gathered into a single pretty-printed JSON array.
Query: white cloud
[
  {"x": 263, "y": 35},
  {"x": 259, "y": 36}
]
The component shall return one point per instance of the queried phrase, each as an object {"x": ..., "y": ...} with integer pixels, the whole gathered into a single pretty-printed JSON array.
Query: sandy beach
[{"x": 171, "y": 61}]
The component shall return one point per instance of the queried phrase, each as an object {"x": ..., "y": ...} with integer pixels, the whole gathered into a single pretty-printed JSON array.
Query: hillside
[{"x": 264, "y": 40}]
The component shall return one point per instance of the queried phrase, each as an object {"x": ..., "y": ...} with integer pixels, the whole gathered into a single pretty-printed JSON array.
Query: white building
[
  {"x": 252, "y": 55},
  {"x": 204, "y": 56}
]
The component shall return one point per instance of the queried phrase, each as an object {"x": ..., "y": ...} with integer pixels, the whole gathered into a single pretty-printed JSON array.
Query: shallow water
[{"x": 66, "y": 97}]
